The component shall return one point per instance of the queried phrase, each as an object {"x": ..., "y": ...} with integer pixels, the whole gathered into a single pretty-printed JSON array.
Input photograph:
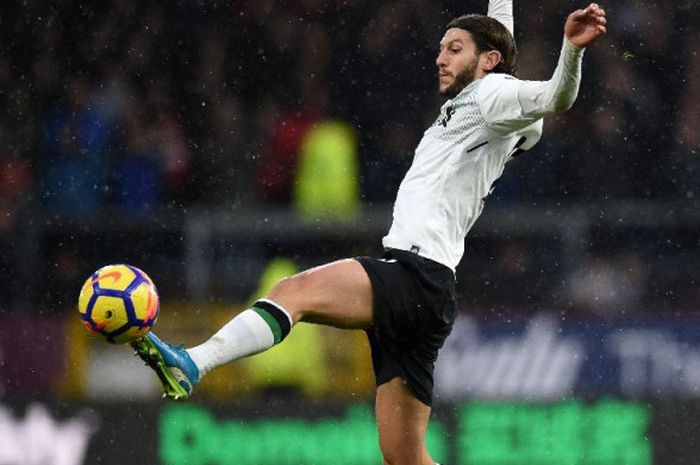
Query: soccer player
[{"x": 405, "y": 301}]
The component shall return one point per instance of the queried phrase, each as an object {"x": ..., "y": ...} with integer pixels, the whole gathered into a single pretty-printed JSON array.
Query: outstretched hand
[{"x": 583, "y": 27}]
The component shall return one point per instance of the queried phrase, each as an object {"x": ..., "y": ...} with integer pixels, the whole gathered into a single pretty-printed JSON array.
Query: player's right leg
[
  {"x": 177, "y": 372},
  {"x": 337, "y": 294}
]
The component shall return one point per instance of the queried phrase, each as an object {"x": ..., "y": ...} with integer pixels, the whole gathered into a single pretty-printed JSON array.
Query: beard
[{"x": 461, "y": 80}]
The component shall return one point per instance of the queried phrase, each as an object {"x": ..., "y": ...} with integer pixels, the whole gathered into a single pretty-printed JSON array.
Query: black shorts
[{"x": 414, "y": 308}]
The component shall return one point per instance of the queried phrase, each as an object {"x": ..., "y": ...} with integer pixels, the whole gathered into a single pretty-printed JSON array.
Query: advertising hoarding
[
  {"x": 292, "y": 432},
  {"x": 544, "y": 359}
]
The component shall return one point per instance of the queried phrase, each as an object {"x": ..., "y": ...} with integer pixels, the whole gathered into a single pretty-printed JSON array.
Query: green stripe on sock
[{"x": 271, "y": 322}]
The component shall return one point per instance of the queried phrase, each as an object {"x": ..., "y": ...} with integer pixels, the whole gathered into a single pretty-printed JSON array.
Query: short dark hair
[{"x": 490, "y": 34}]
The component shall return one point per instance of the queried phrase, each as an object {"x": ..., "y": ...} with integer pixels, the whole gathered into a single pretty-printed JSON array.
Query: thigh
[
  {"x": 337, "y": 294},
  {"x": 402, "y": 421}
]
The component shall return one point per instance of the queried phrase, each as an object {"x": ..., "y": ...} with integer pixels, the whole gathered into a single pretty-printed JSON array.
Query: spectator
[
  {"x": 139, "y": 173},
  {"x": 73, "y": 158}
]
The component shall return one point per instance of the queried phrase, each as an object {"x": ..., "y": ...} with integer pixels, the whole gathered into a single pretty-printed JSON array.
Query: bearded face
[{"x": 457, "y": 62}]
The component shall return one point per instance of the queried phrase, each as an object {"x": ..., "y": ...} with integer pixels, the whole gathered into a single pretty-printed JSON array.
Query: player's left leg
[{"x": 402, "y": 421}]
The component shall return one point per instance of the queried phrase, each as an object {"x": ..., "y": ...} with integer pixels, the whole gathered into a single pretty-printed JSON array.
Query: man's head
[{"x": 473, "y": 46}]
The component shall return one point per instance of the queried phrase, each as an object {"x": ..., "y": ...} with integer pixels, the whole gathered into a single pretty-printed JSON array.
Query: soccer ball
[{"x": 120, "y": 302}]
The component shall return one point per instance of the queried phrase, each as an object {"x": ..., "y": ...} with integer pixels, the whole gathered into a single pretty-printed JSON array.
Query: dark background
[{"x": 123, "y": 123}]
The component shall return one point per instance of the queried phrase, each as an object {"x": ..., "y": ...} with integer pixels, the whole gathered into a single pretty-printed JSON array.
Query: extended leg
[{"x": 338, "y": 294}]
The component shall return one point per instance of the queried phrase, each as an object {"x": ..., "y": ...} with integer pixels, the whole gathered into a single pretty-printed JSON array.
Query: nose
[{"x": 441, "y": 59}]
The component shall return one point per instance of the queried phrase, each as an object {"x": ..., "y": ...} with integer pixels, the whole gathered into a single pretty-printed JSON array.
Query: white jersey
[{"x": 464, "y": 152}]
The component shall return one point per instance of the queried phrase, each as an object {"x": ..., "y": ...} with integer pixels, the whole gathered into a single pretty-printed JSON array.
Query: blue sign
[{"x": 545, "y": 359}]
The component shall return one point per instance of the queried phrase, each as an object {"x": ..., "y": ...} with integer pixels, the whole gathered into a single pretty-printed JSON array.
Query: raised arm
[
  {"x": 582, "y": 28},
  {"x": 510, "y": 102},
  {"x": 542, "y": 98},
  {"x": 502, "y": 10}
]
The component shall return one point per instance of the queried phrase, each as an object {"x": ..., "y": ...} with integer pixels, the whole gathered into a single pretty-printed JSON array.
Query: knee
[
  {"x": 289, "y": 286},
  {"x": 400, "y": 455},
  {"x": 390, "y": 460},
  {"x": 290, "y": 293}
]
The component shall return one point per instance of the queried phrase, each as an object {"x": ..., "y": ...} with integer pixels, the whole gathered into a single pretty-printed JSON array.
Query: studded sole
[{"x": 151, "y": 355}]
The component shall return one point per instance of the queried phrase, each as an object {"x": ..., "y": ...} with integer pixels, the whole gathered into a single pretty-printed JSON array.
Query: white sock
[{"x": 250, "y": 332}]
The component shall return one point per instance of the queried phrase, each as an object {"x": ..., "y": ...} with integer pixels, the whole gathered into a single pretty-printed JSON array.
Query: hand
[{"x": 583, "y": 27}]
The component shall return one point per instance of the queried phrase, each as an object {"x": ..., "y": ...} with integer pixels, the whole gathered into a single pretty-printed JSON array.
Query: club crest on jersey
[{"x": 443, "y": 120}]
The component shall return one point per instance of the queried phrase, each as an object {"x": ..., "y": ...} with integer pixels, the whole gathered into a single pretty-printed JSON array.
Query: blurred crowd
[{"x": 138, "y": 105}]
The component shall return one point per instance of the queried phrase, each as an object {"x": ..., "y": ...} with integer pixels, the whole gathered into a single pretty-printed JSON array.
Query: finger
[
  {"x": 595, "y": 9},
  {"x": 595, "y": 17},
  {"x": 578, "y": 15}
]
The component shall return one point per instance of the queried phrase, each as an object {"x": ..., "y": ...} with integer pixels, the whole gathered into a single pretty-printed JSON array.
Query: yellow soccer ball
[{"x": 119, "y": 302}]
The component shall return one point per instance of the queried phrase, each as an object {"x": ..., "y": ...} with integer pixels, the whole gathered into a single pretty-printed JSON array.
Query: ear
[{"x": 489, "y": 60}]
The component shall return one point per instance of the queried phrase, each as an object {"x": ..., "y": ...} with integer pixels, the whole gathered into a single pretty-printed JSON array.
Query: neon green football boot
[{"x": 177, "y": 372}]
